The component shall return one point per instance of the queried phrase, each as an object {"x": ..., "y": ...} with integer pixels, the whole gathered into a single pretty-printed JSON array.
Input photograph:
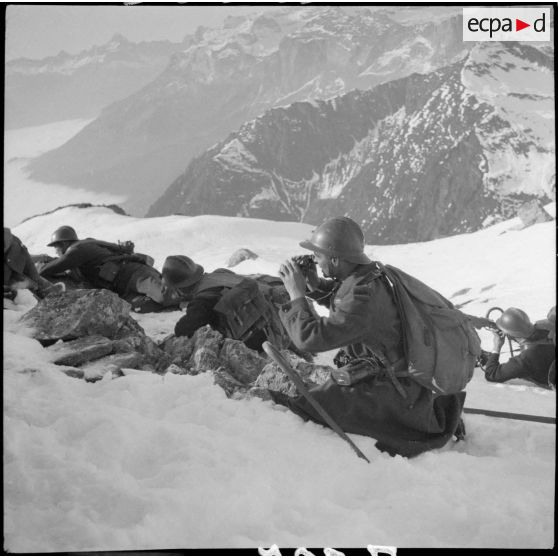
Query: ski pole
[{"x": 274, "y": 353}]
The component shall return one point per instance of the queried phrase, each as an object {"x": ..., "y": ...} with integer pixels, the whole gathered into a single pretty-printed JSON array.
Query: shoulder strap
[{"x": 381, "y": 271}]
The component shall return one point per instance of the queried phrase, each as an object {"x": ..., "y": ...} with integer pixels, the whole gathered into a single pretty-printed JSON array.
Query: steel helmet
[
  {"x": 340, "y": 237},
  {"x": 63, "y": 234},
  {"x": 516, "y": 323}
]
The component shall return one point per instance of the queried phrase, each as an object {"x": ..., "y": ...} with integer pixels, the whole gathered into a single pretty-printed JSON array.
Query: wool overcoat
[{"x": 363, "y": 318}]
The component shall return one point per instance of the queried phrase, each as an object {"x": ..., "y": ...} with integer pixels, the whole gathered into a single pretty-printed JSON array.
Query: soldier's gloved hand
[
  {"x": 293, "y": 279},
  {"x": 498, "y": 338}
]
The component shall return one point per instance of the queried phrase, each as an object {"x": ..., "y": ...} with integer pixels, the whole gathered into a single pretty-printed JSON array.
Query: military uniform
[
  {"x": 18, "y": 265},
  {"x": 126, "y": 275},
  {"x": 364, "y": 321},
  {"x": 533, "y": 364},
  {"x": 204, "y": 296}
]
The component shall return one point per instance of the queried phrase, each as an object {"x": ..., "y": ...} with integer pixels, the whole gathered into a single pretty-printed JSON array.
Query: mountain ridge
[
  {"x": 413, "y": 159},
  {"x": 222, "y": 78}
]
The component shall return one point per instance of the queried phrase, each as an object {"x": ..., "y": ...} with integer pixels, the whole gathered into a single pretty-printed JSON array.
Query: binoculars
[{"x": 307, "y": 262}]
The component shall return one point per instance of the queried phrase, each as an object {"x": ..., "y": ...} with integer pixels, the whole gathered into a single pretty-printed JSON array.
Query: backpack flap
[
  {"x": 440, "y": 344},
  {"x": 241, "y": 309}
]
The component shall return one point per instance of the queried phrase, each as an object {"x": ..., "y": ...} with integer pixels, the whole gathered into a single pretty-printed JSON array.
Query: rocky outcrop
[
  {"x": 117, "y": 209},
  {"x": 78, "y": 351},
  {"x": 77, "y": 313},
  {"x": 245, "y": 365},
  {"x": 235, "y": 367},
  {"x": 89, "y": 333},
  {"x": 532, "y": 212},
  {"x": 241, "y": 255},
  {"x": 273, "y": 378},
  {"x": 71, "y": 327},
  {"x": 112, "y": 364}
]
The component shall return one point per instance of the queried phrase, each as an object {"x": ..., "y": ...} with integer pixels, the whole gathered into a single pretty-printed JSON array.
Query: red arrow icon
[{"x": 519, "y": 25}]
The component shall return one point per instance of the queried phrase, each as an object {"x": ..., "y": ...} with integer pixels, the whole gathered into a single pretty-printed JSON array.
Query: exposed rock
[
  {"x": 175, "y": 369},
  {"x": 273, "y": 378},
  {"x": 77, "y": 313},
  {"x": 244, "y": 363},
  {"x": 179, "y": 349},
  {"x": 533, "y": 212},
  {"x": 230, "y": 384},
  {"x": 207, "y": 345},
  {"x": 261, "y": 393},
  {"x": 241, "y": 255},
  {"x": 313, "y": 374},
  {"x": 78, "y": 351},
  {"x": 73, "y": 372},
  {"x": 112, "y": 364},
  {"x": 132, "y": 338},
  {"x": 117, "y": 209},
  {"x": 94, "y": 374}
]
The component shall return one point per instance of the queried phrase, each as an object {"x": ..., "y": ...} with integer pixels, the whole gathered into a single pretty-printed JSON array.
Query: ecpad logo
[{"x": 506, "y": 24}]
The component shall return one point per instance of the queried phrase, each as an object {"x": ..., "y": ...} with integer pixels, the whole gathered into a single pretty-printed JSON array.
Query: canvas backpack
[
  {"x": 243, "y": 310},
  {"x": 123, "y": 252},
  {"x": 440, "y": 344}
]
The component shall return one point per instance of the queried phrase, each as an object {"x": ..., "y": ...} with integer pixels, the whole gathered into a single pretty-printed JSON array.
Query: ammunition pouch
[{"x": 243, "y": 311}]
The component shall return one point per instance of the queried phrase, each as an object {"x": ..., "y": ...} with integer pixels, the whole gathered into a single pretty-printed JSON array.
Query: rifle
[{"x": 292, "y": 374}]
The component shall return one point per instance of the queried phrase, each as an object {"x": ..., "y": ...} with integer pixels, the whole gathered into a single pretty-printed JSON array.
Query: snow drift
[{"x": 160, "y": 462}]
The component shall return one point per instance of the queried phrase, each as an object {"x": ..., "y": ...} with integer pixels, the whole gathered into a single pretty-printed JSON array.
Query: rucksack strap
[{"x": 391, "y": 365}]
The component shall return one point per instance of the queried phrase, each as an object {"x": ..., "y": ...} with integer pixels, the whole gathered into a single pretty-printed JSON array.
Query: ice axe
[{"x": 275, "y": 355}]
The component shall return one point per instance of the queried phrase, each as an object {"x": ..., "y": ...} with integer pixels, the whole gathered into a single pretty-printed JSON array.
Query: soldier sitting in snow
[
  {"x": 107, "y": 266},
  {"x": 237, "y": 306},
  {"x": 404, "y": 417},
  {"x": 536, "y": 362}
]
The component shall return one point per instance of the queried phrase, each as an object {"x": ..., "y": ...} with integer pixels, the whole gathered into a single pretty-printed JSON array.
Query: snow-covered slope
[{"x": 146, "y": 462}]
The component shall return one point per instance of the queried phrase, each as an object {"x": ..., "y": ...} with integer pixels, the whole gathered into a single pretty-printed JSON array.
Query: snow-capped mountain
[
  {"x": 69, "y": 86},
  {"x": 424, "y": 156},
  {"x": 224, "y": 77}
]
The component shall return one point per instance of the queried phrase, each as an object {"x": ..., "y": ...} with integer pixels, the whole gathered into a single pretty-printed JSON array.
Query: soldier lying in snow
[
  {"x": 105, "y": 265},
  {"x": 536, "y": 362},
  {"x": 237, "y": 306}
]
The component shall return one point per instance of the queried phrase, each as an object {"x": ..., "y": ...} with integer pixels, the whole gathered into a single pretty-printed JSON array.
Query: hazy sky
[{"x": 39, "y": 30}]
